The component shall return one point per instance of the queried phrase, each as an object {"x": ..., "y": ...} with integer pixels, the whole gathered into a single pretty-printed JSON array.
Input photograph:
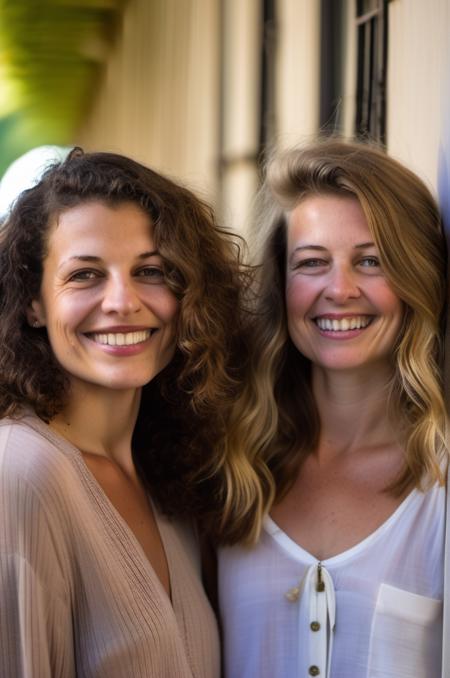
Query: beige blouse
[{"x": 78, "y": 597}]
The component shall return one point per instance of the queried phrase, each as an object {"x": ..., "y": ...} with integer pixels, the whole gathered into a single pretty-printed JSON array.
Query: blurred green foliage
[{"x": 51, "y": 54}]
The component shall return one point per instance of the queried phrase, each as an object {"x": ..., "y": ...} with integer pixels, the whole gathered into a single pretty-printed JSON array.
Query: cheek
[
  {"x": 165, "y": 305},
  {"x": 398, "y": 313},
  {"x": 173, "y": 308},
  {"x": 60, "y": 328},
  {"x": 388, "y": 301},
  {"x": 298, "y": 297},
  {"x": 62, "y": 341},
  {"x": 65, "y": 314}
]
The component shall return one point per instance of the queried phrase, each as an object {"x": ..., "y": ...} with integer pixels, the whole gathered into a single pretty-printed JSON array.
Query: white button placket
[
  {"x": 322, "y": 612},
  {"x": 318, "y": 587}
]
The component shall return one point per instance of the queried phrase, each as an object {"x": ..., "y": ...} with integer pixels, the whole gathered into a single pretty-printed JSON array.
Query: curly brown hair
[{"x": 178, "y": 443}]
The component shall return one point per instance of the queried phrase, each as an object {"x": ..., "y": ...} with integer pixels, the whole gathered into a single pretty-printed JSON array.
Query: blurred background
[{"x": 199, "y": 89}]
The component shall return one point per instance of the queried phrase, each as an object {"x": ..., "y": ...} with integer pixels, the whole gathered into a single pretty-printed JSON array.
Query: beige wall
[
  {"x": 418, "y": 77},
  {"x": 181, "y": 91},
  {"x": 240, "y": 108},
  {"x": 349, "y": 69},
  {"x": 297, "y": 70},
  {"x": 181, "y": 88},
  {"x": 159, "y": 97}
]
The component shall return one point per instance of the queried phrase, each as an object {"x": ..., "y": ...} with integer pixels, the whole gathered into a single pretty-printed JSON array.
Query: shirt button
[
  {"x": 314, "y": 670},
  {"x": 315, "y": 626}
]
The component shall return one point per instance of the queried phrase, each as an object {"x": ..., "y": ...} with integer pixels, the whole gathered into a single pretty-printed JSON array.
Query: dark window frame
[
  {"x": 371, "y": 81},
  {"x": 331, "y": 64}
]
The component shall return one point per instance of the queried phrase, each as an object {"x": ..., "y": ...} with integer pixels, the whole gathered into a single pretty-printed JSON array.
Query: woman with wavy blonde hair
[
  {"x": 121, "y": 347},
  {"x": 345, "y": 406}
]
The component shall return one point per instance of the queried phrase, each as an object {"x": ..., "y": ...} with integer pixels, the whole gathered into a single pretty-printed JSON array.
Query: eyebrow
[
  {"x": 90, "y": 258},
  {"x": 320, "y": 248},
  {"x": 364, "y": 245}
]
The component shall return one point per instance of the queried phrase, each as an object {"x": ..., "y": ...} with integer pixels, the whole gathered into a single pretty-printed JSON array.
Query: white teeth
[
  {"x": 343, "y": 324},
  {"x": 122, "y": 338}
]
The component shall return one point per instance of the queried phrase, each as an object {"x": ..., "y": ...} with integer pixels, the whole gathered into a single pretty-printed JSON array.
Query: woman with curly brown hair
[
  {"x": 119, "y": 305},
  {"x": 346, "y": 408}
]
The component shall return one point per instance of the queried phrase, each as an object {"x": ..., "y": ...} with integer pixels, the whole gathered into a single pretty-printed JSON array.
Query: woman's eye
[
  {"x": 311, "y": 263},
  {"x": 85, "y": 274},
  {"x": 151, "y": 274},
  {"x": 369, "y": 262}
]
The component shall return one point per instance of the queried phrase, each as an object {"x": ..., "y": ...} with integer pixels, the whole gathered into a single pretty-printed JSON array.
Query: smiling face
[
  {"x": 109, "y": 315},
  {"x": 342, "y": 313}
]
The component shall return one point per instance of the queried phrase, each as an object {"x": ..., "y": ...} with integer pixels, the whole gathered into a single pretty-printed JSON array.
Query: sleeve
[{"x": 35, "y": 611}]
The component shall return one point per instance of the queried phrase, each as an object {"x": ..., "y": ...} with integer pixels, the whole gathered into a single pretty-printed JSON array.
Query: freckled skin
[
  {"x": 333, "y": 270},
  {"x": 329, "y": 272}
]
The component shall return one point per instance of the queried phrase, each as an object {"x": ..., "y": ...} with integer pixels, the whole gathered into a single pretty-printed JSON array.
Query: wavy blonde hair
[{"x": 276, "y": 419}]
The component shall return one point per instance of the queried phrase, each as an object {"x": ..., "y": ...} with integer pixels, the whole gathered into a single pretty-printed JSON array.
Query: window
[
  {"x": 332, "y": 64},
  {"x": 372, "y": 33}
]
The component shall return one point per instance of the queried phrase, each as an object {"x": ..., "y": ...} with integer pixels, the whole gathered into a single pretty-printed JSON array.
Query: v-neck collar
[
  {"x": 126, "y": 537},
  {"x": 299, "y": 553}
]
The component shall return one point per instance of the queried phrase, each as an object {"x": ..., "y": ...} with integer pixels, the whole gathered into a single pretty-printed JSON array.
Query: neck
[
  {"x": 353, "y": 408},
  {"x": 100, "y": 423}
]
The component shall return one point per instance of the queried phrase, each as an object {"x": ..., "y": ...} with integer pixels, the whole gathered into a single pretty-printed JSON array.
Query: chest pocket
[{"x": 406, "y": 635}]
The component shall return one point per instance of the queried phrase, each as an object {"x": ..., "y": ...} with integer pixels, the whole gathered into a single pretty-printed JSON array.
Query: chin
[{"x": 126, "y": 382}]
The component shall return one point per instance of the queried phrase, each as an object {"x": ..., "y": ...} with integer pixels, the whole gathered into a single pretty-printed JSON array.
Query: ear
[{"x": 35, "y": 314}]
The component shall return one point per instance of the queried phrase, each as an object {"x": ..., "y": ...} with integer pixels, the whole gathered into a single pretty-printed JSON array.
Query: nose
[
  {"x": 120, "y": 297},
  {"x": 342, "y": 285}
]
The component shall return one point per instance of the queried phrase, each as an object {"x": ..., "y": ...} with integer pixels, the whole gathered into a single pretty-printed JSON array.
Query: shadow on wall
[{"x": 444, "y": 201}]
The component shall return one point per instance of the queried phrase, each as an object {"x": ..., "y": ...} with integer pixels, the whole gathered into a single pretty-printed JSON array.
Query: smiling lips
[
  {"x": 121, "y": 338},
  {"x": 356, "y": 322}
]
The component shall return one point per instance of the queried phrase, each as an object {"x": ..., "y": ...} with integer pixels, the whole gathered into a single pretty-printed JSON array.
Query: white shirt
[{"x": 383, "y": 597}]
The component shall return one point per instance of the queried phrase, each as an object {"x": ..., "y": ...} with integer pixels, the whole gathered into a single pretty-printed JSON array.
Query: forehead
[
  {"x": 328, "y": 218},
  {"x": 96, "y": 221}
]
